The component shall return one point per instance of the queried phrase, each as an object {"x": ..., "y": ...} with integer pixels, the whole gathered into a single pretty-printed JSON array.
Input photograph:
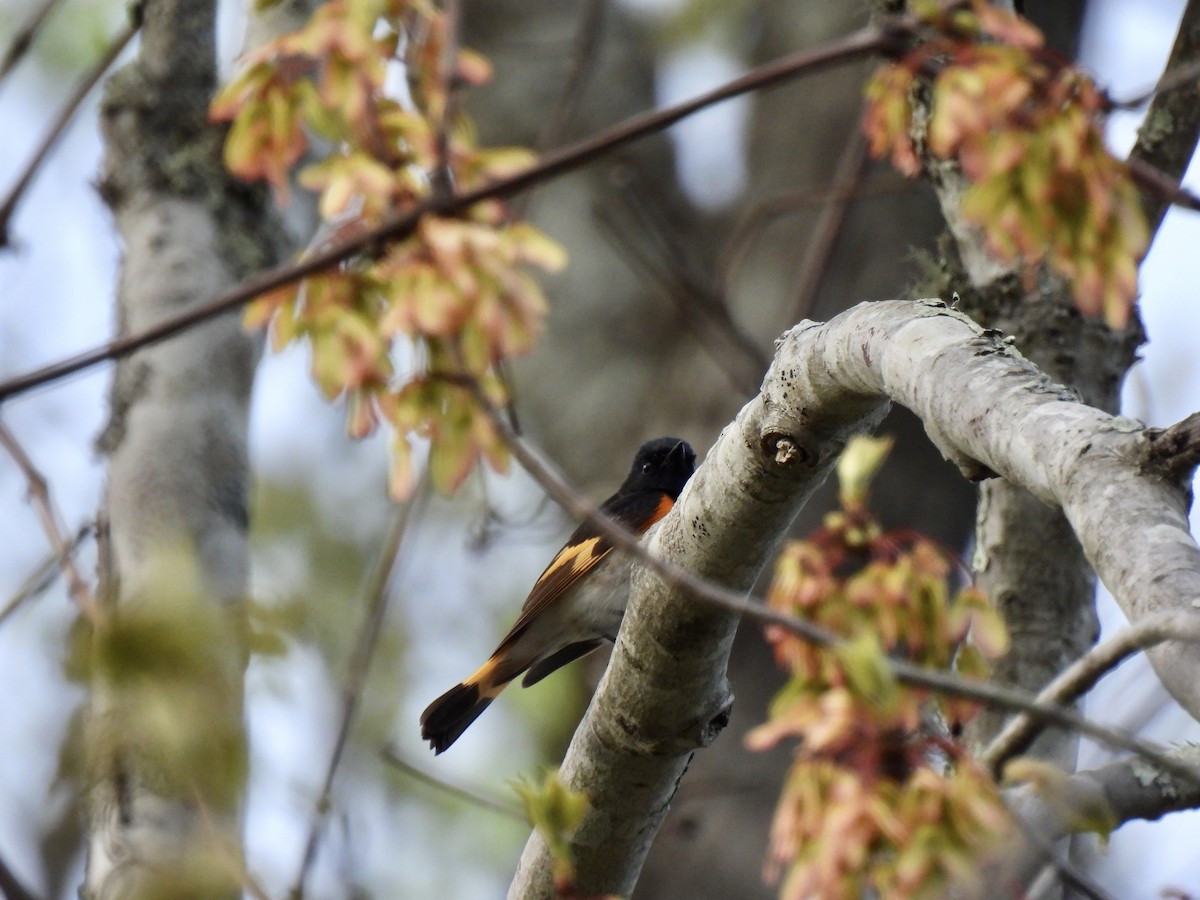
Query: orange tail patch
[{"x": 447, "y": 717}]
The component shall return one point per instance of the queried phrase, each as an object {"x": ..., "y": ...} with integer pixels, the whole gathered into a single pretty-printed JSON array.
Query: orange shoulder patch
[
  {"x": 665, "y": 504},
  {"x": 573, "y": 559}
]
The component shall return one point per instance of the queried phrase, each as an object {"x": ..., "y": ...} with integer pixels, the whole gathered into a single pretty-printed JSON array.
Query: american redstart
[{"x": 577, "y": 603}]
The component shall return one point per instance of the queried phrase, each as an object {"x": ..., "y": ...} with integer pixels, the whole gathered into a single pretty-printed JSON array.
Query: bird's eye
[{"x": 646, "y": 467}]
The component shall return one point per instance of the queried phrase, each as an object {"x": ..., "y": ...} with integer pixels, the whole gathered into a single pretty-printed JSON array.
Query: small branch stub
[{"x": 784, "y": 448}]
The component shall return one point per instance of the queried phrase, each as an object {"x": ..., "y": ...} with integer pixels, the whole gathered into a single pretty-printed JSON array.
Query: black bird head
[{"x": 663, "y": 464}]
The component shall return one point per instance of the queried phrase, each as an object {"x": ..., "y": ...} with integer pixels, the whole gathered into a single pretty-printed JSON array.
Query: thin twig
[
  {"x": 587, "y": 39},
  {"x": 443, "y": 175},
  {"x": 583, "y": 61},
  {"x": 860, "y": 43},
  {"x": 742, "y": 237},
  {"x": 393, "y": 757},
  {"x": 1079, "y": 677},
  {"x": 227, "y": 852},
  {"x": 39, "y": 494},
  {"x": 356, "y": 670},
  {"x": 884, "y": 37},
  {"x": 1163, "y": 185},
  {"x": 693, "y": 280},
  {"x": 65, "y": 115},
  {"x": 1172, "y": 79},
  {"x": 940, "y": 682},
  {"x": 25, "y": 36},
  {"x": 706, "y": 313},
  {"x": 825, "y": 231},
  {"x": 44, "y": 575}
]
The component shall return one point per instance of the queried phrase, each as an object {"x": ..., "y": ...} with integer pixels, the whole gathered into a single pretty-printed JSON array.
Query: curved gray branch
[{"x": 988, "y": 410}]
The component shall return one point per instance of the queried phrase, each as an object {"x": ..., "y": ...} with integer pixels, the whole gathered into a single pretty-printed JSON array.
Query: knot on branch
[
  {"x": 785, "y": 449},
  {"x": 716, "y": 724},
  {"x": 1174, "y": 452},
  {"x": 675, "y": 737}
]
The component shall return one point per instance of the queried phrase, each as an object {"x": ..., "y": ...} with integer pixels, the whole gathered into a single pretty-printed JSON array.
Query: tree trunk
[{"x": 166, "y": 742}]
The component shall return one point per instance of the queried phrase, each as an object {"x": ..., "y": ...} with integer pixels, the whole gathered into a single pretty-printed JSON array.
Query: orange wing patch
[
  {"x": 572, "y": 563},
  {"x": 582, "y": 554},
  {"x": 576, "y": 558}
]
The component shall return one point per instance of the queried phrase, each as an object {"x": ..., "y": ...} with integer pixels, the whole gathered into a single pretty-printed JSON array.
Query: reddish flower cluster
[
  {"x": 1027, "y": 130},
  {"x": 866, "y": 805},
  {"x": 456, "y": 290}
]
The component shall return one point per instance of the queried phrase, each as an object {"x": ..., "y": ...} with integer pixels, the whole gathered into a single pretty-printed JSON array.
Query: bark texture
[
  {"x": 987, "y": 408},
  {"x": 166, "y": 738},
  {"x": 1167, "y": 138},
  {"x": 1026, "y": 558}
]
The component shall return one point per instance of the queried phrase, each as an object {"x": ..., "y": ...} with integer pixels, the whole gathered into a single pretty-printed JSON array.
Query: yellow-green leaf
[{"x": 857, "y": 465}]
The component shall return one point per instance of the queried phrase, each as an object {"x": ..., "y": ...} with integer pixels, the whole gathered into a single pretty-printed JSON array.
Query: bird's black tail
[{"x": 447, "y": 717}]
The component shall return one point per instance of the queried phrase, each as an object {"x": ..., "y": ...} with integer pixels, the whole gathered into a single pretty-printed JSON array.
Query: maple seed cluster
[
  {"x": 864, "y": 807},
  {"x": 398, "y": 333},
  {"x": 1027, "y": 131}
]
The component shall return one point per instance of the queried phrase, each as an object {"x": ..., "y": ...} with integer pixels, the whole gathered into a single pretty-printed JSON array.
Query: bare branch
[
  {"x": 61, "y": 121},
  {"x": 587, "y": 42},
  {"x": 442, "y": 180},
  {"x": 401, "y": 224},
  {"x": 356, "y": 671},
  {"x": 1167, "y": 139},
  {"x": 1173, "y": 79},
  {"x": 633, "y": 231},
  {"x": 474, "y": 797},
  {"x": 1077, "y": 679},
  {"x": 1139, "y": 789},
  {"x": 1161, "y": 184},
  {"x": 1129, "y": 789},
  {"x": 43, "y": 575},
  {"x": 581, "y": 507},
  {"x": 838, "y": 192},
  {"x": 1175, "y": 451},
  {"x": 825, "y": 231},
  {"x": 882, "y": 38},
  {"x": 48, "y": 515},
  {"x": 25, "y": 36}
]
